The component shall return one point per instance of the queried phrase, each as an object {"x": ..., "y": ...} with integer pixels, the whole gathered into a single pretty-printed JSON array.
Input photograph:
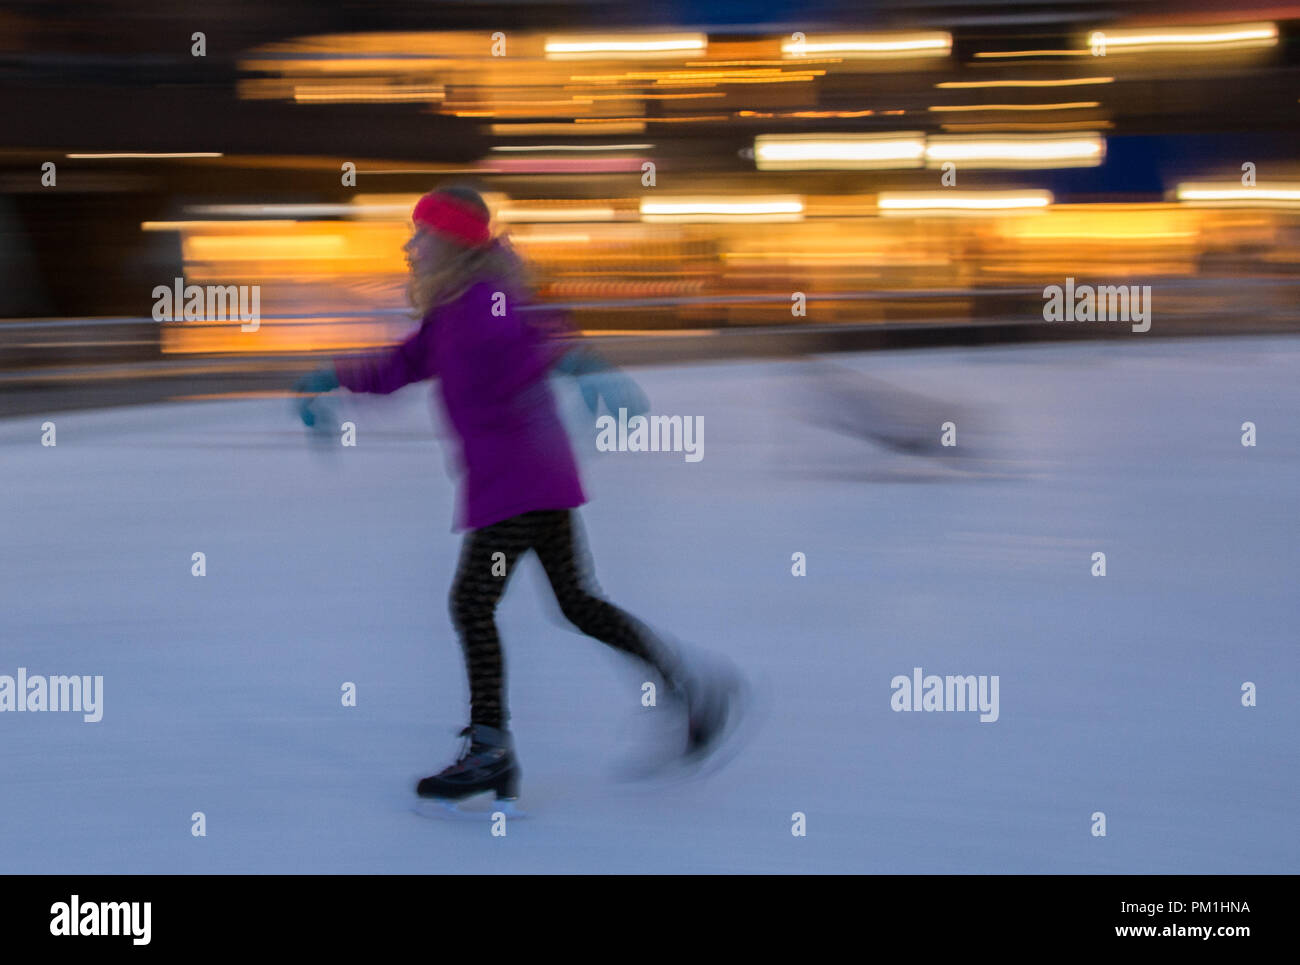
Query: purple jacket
[{"x": 492, "y": 370}]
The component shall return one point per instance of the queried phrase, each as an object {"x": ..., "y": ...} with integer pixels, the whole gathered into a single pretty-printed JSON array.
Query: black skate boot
[
  {"x": 701, "y": 726},
  {"x": 714, "y": 697},
  {"x": 487, "y": 763}
]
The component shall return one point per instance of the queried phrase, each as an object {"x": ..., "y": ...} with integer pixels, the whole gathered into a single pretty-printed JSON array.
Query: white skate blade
[{"x": 480, "y": 809}]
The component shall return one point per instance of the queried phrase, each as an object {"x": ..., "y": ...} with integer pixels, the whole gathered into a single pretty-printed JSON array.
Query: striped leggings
[{"x": 481, "y": 579}]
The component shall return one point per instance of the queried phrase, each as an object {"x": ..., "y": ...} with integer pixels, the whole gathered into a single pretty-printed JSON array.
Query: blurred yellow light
[
  {"x": 571, "y": 238},
  {"x": 790, "y": 152},
  {"x": 174, "y": 154},
  {"x": 367, "y": 93},
  {"x": 334, "y": 64},
  {"x": 524, "y": 214},
  {"x": 760, "y": 63},
  {"x": 954, "y": 202},
  {"x": 578, "y": 126},
  {"x": 1005, "y": 127},
  {"x": 1102, "y": 225},
  {"x": 783, "y": 208},
  {"x": 853, "y": 259},
  {"x": 675, "y": 119},
  {"x": 287, "y": 212},
  {"x": 812, "y": 114},
  {"x": 1025, "y": 151},
  {"x": 656, "y": 97},
  {"x": 573, "y": 147},
  {"x": 1034, "y": 53},
  {"x": 218, "y": 225},
  {"x": 659, "y": 77},
  {"x": 760, "y": 77},
  {"x": 1060, "y": 106},
  {"x": 925, "y": 44},
  {"x": 242, "y": 248},
  {"x": 1065, "y": 82},
  {"x": 1223, "y": 36}
]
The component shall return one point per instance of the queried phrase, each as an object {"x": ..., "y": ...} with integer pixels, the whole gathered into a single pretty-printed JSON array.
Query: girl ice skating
[{"x": 519, "y": 486}]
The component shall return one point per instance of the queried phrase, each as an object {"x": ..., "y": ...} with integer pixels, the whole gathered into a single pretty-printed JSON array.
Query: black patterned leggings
[{"x": 481, "y": 579}]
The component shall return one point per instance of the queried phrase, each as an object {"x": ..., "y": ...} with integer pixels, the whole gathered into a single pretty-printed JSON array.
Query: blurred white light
[
  {"x": 956, "y": 202},
  {"x": 782, "y": 208},
  {"x": 1236, "y": 195},
  {"x": 1220, "y": 36},
  {"x": 775, "y": 152},
  {"x": 924, "y": 44},
  {"x": 1009, "y": 151},
  {"x": 625, "y": 45}
]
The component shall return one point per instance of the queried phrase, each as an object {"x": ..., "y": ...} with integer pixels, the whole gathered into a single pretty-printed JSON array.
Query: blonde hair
[{"x": 458, "y": 268}]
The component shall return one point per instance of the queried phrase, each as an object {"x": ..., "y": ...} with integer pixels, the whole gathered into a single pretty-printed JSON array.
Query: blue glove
[
  {"x": 590, "y": 392},
  {"x": 618, "y": 391},
  {"x": 309, "y": 387},
  {"x": 578, "y": 361},
  {"x": 597, "y": 380}
]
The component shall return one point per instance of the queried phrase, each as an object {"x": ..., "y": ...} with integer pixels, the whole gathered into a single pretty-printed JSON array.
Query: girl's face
[{"x": 425, "y": 252}]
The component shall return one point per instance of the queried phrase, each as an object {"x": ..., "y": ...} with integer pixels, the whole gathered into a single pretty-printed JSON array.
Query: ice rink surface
[{"x": 1119, "y": 694}]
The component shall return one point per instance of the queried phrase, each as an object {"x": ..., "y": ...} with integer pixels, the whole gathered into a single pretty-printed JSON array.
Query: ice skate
[
  {"x": 702, "y": 727},
  {"x": 486, "y": 763},
  {"x": 714, "y": 697}
]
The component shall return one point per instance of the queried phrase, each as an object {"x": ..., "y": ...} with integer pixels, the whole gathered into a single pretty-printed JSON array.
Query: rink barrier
[{"x": 106, "y": 374}]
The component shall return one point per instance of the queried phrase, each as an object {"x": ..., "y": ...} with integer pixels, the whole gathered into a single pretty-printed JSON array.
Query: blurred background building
[{"x": 675, "y": 172}]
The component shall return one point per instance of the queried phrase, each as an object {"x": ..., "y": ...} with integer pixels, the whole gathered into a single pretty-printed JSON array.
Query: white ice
[{"x": 1118, "y": 694}]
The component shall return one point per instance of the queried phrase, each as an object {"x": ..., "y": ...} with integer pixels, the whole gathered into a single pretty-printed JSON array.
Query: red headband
[{"x": 452, "y": 217}]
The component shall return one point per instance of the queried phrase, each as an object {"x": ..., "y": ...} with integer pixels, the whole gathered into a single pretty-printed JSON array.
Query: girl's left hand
[
  {"x": 309, "y": 387},
  {"x": 620, "y": 392}
]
